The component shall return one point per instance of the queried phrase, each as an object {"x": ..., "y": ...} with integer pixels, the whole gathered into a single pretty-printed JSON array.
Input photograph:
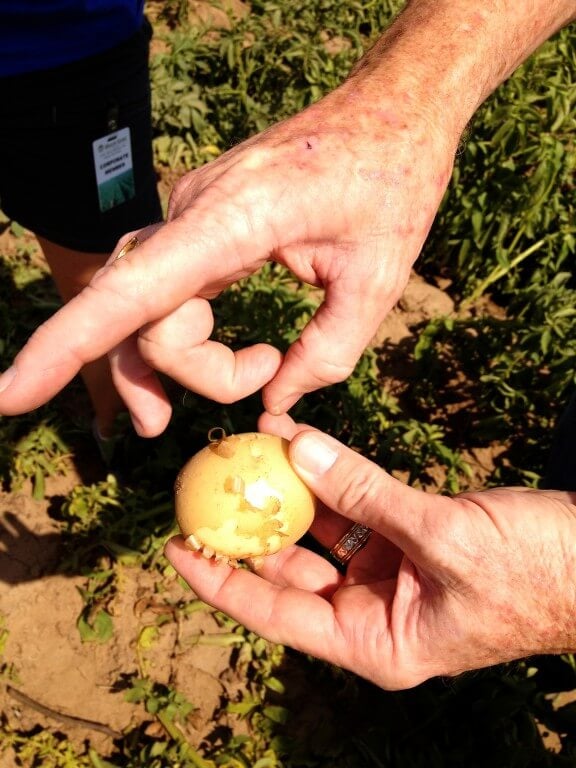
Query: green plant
[
  {"x": 509, "y": 215},
  {"x": 37, "y": 455},
  {"x": 45, "y": 749},
  {"x": 125, "y": 524},
  {"x": 169, "y": 706},
  {"x": 95, "y": 623},
  {"x": 212, "y": 88}
]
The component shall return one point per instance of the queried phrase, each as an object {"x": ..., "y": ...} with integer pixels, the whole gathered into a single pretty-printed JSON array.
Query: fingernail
[
  {"x": 314, "y": 453},
  {"x": 7, "y": 378}
]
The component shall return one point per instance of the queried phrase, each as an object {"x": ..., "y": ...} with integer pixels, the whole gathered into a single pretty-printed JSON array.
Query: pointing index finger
[{"x": 146, "y": 284}]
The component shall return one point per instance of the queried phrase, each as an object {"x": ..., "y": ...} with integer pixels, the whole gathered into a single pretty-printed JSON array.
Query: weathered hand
[
  {"x": 343, "y": 194},
  {"x": 444, "y": 585}
]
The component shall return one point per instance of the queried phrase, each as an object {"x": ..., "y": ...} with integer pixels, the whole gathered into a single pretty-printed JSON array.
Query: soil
[{"x": 65, "y": 681}]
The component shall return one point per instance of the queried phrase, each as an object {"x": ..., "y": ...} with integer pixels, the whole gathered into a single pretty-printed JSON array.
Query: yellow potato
[{"x": 240, "y": 498}]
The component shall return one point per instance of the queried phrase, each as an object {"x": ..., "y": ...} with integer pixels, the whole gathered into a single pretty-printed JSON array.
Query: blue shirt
[{"x": 40, "y": 34}]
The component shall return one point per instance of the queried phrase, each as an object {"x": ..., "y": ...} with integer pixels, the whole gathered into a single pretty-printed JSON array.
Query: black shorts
[{"x": 48, "y": 122}]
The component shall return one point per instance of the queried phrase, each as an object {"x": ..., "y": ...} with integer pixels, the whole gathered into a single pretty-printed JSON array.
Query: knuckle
[
  {"x": 333, "y": 372},
  {"x": 180, "y": 195},
  {"x": 151, "y": 349},
  {"x": 362, "y": 492},
  {"x": 324, "y": 371}
]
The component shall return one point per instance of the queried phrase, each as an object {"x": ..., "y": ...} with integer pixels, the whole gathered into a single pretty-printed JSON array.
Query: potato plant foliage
[{"x": 495, "y": 373}]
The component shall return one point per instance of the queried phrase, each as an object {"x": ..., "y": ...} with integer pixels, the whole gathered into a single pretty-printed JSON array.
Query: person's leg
[{"x": 72, "y": 271}]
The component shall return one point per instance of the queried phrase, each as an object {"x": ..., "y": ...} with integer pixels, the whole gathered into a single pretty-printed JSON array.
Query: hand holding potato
[{"x": 443, "y": 585}]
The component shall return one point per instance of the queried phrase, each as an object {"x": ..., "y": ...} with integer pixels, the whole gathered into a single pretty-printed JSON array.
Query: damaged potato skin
[{"x": 240, "y": 498}]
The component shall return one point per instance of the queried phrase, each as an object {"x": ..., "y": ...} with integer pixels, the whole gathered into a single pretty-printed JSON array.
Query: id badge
[{"x": 114, "y": 170}]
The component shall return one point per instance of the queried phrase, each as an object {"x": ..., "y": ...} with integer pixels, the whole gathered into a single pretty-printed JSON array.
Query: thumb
[
  {"x": 360, "y": 490},
  {"x": 331, "y": 344}
]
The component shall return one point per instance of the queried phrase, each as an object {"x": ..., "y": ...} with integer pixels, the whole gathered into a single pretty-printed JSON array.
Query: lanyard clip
[{"x": 112, "y": 117}]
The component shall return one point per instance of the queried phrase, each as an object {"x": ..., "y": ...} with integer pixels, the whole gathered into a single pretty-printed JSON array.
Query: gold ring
[
  {"x": 353, "y": 540},
  {"x": 127, "y": 247}
]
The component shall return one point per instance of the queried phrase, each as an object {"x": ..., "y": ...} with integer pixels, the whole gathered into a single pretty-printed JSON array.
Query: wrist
[
  {"x": 562, "y": 635},
  {"x": 550, "y": 598},
  {"x": 440, "y": 59}
]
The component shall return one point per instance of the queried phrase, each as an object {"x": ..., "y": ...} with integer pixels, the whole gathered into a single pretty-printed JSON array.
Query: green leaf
[
  {"x": 39, "y": 487},
  {"x": 147, "y": 637},
  {"x": 275, "y": 685},
  {"x": 99, "y": 631},
  {"x": 276, "y": 714},
  {"x": 17, "y": 229}
]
